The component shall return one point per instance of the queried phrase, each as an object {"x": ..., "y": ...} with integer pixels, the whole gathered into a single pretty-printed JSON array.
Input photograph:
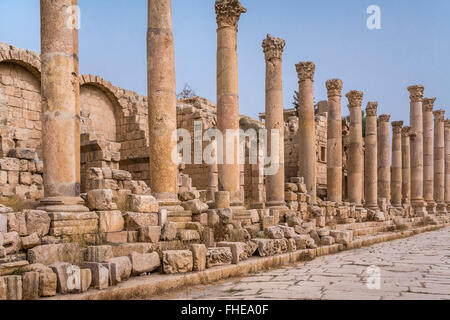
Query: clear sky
[{"x": 412, "y": 46}]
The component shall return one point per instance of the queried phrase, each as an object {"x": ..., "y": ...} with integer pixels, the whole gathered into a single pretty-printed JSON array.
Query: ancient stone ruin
[{"x": 92, "y": 194}]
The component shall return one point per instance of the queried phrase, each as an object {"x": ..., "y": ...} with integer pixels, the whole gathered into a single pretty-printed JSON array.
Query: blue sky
[{"x": 412, "y": 46}]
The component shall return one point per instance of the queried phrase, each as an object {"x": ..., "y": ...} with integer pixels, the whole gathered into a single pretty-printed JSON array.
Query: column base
[
  {"x": 281, "y": 205},
  {"x": 419, "y": 207},
  {"x": 431, "y": 207},
  {"x": 257, "y": 205},
  {"x": 63, "y": 204},
  {"x": 168, "y": 201},
  {"x": 441, "y": 209}
]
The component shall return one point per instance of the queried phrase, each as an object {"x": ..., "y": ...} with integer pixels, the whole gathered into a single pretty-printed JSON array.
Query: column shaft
[
  {"x": 439, "y": 161},
  {"x": 334, "y": 141},
  {"x": 406, "y": 166},
  {"x": 396, "y": 177},
  {"x": 447, "y": 163},
  {"x": 428, "y": 170},
  {"x": 371, "y": 157},
  {"x": 307, "y": 127}
]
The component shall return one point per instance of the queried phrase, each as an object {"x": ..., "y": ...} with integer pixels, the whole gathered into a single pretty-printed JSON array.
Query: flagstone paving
[{"x": 411, "y": 268}]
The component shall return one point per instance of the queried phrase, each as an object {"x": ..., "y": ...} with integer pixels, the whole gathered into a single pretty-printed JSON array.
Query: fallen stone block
[
  {"x": 195, "y": 206},
  {"x": 150, "y": 234},
  {"x": 2, "y": 252},
  {"x": 137, "y": 220},
  {"x": 265, "y": 247},
  {"x": 169, "y": 231},
  {"x": 177, "y": 261},
  {"x": 110, "y": 221},
  {"x": 142, "y": 203},
  {"x": 251, "y": 248},
  {"x": 288, "y": 232},
  {"x": 51, "y": 253},
  {"x": 322, "y": 232},
  {"x": 118, "y": 237},
  {"x": 10, "y": 268},
  {"x": 327, "y": 240},
  {"x": 144, "y": 262},
  {"x": 124, "y": 266},
  {"x": 189, "y": 195},
  {"x": 101, "y": 200},
  {"x": 225, "y": 215},
  {"x": 132, "y": 236},
  {"x": 30, "y": 286},
  {"x": 3, "y": 223},
  {"x": 291, "y": 244},
  {"x": 114, "y": 273},
  {"x": 188, "y": 235},
  {"x": 68, "y": 277},
  {"x": 12, "y": 242},
  {"x": 11, "y": 288},
  {"x": 342, "y": 237},
  {"x": 98, "y": 253},
  {"x": 274, "y": 232},
  {"x": 48, "y": 283},
  {"x": 280, "y": 245},
  {"x": 199, "y": 256},
  {"x": 218, "y": 257},
  {"x": 125, "y": 249},
  {"x": 30, "y": 241},
  {"x": 99, "y": 273},
  {"x": 17, "y": 223},
  {"x": 37, "y": 221},
  {"x": 121, "y": 175},
  {"x": 238, "y": 250}
]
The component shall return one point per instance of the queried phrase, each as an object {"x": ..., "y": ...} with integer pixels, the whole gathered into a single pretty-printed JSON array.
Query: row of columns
[{"x": 420, "y": 160}]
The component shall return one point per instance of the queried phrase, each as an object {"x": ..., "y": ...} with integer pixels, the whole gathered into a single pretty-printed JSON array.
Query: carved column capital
[
  {"x": 385, "y": 118},
  {"x": 416, "y": 93},
  {"x": 371, "y": 109},
  {"x": 334, "y": 87},
  {"x": 397, "y": 126},
  {"x": 273, "y": 47},
  {"x": 305, "y": 70},
  {"x": 428, "y": 104},
  {"x": 355, "y": 98},
  {"x": 406, "y": 131},
  {"x": 228, "y": 12},
  {"x": 439, "y": 115}
]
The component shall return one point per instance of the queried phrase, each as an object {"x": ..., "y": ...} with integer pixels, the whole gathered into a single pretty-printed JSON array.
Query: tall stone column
[
  {"x": 161, "y": 100},
  {"x": 355, "y": 153},
  {"x": 307, "y": 127},
  {"x": 416, "y": 142},
  {"x": 439, "y": 161},
  {"x": 371, "y": 157},
  {"x": 428, "y": 171},
  {"x": 396, "y": 173},
  {"x": 384, "y": 158},
  {"x": 334, "y": 141},
  {"x": 447, "y": 163},
  {"x": 228, "y": 13},
  {"x": 60, "y": 107},
  {"x": 273, "y": 51},
  {"x": 406, "y": 166}
]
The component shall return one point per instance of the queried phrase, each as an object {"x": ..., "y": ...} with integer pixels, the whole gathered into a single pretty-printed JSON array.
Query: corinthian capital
[
  {"x": 228, "y": 12},
  {"x": 273, "y": 47},
  {"x": 428, "y": 104},
  {"x": 447, "y": 123},
  {"x": 355, "y": 98},
  {"x": 416, "y": 93},
  {"x": 439, "y": 115},
  {"x": 334, "y": 87},
  {"x": 305, "y": 70},
  {"x": 397, "y": 126},
  {"x": 385, "y": 118},
  {"x": 406, "y": 131},
  {"x": 371, "y": 109}
]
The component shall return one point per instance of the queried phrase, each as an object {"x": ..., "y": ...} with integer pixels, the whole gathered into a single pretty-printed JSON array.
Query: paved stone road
[{"x": 412, "y": 268}]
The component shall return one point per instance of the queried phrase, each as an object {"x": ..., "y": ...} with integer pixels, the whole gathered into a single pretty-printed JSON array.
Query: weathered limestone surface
[
  {"x": 334, "y": 141},
  {"x": 447, "y": 163},
  {"x": 384, "y": 159},
  {"x": 406, "y": 166},
  {"x": 306, "y": 128},
  {"x": 439, "y": 161},
  {"x": 371, "y": 157},
  {"x": 355, "y": 154},
  {"x": 428, "y": 170},
  {"x": 416, "y": 142},
  {"x": 273, "y": 50},
  {"x": 161, "y": 98},
  {"x": 228, "y": 13},
  {"x": 396, "y": 178}
]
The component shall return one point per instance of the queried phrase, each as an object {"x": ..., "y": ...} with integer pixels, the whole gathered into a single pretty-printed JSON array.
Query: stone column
[
  {"x": 334, "y": 141},
  {"x": 384, "y": 158},
  {"x": 396, "y": 173},
  {"x": 355, "y": 153},
  {"x": 428, "y": 171},
  {"x": 447, "y": 163},
  {"x": 161, "y": 100},
  {"x": 60, "y": 107},
  {"x": 406, "y": 166},
  {"x": 307, "y": 127},
  {"x": 273, "y": 51},
  {"x": 439, "y": 161},
  {"x": 371, "y": 157},
  {"x": 228, "y": 13},
  {"x": 416, "y": 142}
]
